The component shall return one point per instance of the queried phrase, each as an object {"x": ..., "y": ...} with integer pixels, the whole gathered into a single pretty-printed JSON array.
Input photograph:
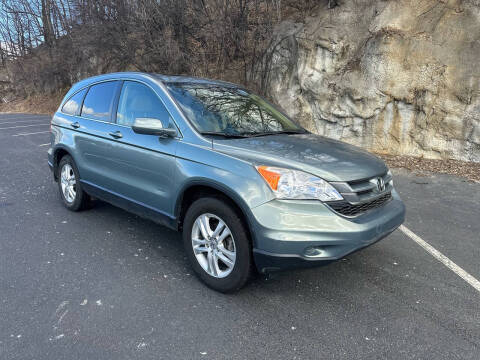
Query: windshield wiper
[
  {"x": 251, "y": 134},
  {"x": 226, "y": 135},
  {"x": 275, "y": 133}
]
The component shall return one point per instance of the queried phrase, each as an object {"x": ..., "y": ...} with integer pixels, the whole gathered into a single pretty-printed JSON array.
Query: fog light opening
[{"x": 313, "y": 251}]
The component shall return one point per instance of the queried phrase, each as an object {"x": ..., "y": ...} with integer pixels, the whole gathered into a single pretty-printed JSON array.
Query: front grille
[{"x": 347, "y": 209}]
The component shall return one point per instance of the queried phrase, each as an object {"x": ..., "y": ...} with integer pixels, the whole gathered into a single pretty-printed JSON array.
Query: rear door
[{"x": 93, "y": 141}]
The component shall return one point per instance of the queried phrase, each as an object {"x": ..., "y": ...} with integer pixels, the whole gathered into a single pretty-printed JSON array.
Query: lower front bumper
[
  {"x": 269, "y": 262},
  {"x": 291, "y": 234}
]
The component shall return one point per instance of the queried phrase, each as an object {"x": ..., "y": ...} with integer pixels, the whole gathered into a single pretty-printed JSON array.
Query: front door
[{"x": 142, "y": 166}]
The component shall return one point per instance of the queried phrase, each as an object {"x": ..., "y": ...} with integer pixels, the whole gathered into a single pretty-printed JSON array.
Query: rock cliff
[{"x": 398, "y": 76}]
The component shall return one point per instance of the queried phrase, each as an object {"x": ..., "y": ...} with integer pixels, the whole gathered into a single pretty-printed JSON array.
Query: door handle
[
  {"x": 117, "y": 134},
  {"x": 75, "y": 125}
]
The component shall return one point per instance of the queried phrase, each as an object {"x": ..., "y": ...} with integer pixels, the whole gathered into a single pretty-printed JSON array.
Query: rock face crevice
[{"x": 399, "y": 76}]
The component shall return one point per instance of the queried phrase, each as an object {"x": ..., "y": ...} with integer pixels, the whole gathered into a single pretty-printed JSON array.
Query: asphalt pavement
[{"x": 105, "y": 284}]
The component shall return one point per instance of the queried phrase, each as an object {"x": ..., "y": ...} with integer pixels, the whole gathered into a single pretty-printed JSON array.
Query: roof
[
  {"x": 192, "y": 80},
  {"x": 162, "y": 78}
]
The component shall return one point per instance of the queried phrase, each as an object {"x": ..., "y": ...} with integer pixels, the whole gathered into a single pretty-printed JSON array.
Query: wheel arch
[
  {"x": 201, "y": 188},
  {"x": 58, "y": 154}
]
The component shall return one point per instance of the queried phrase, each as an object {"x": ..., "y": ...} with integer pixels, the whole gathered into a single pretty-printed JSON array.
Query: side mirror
[{"x": 152, "y": 126}]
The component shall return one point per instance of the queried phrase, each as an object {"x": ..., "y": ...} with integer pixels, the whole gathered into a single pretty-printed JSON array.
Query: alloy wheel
[
  {"x": 68, "y": 183},
  {"x": 213, "y": 245}
]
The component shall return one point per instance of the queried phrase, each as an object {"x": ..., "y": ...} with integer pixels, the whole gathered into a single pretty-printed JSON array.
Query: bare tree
[
  {"x": 49, "y": 44},
  {"x": 48, "y": 33}
]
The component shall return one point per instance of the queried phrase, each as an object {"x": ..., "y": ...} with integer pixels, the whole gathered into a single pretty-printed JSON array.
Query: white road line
[
  {"x": 2, "y": 121},
  {"x": 44, "y": 144},
  {"x": 20, "y": 121},
  {"x": 25, "y": 134},
  {"x": 442, "y": 258},
  {"x": 26, "y": 118},
  {"x": 22, "y": 126}
]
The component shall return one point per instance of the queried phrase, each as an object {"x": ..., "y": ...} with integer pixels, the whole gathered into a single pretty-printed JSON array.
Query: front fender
[
  {"x": 244, "y": 187},
  {"x": 200, "y": 181}
]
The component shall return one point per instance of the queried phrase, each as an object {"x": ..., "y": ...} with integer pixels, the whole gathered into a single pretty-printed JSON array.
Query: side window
[
  {"x": 139, "y": 101},
  {"x": 99, "y": 101},
  {"x": 72, "y": 106}
]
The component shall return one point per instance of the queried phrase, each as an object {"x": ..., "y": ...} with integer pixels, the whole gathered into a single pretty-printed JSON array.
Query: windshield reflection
[{"x": 224, "y": 110}]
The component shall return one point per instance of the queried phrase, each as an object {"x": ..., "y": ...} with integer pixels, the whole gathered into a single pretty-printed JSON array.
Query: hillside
[{"x": 393, "y": 76}]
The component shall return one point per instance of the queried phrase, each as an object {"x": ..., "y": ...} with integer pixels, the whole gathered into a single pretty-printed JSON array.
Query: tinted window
[
  {"x": 99, "y": 100},
  {"x": 72, "y": 106},
  {"x": 139, "y": 101}
]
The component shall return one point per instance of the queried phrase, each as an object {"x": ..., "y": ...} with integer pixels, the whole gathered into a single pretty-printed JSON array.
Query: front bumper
[
  {"x": 50, "y": 157},
  {"x": 302, "y": 233}
]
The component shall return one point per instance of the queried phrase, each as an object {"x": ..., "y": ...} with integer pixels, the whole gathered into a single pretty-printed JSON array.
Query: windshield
[{"x": 222, "y": 110}]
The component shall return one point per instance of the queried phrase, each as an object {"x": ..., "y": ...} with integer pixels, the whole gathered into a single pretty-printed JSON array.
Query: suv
[{"x": 248, "y": 187}]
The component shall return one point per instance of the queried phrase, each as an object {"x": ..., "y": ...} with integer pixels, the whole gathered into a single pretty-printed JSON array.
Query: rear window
[
  {"x": 99, "y": 101},
  {"x": 72, "y": 106}
]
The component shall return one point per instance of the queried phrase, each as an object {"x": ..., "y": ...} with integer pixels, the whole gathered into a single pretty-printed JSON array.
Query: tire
[
  {"x": 80, "y": 200},
  {"x": 228, "y": 278}
]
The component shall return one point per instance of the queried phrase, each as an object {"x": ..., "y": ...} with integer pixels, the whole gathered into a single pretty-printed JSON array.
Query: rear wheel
[
  {"x": 217, "y": 244},
  {"x": 71, "y": 192}
]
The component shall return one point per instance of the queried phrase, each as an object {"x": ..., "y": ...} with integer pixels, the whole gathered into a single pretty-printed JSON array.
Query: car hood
[{"x": 329, "y": 159}]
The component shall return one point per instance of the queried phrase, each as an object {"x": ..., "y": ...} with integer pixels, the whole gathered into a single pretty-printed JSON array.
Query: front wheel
[{"x": 217, "y": 244}]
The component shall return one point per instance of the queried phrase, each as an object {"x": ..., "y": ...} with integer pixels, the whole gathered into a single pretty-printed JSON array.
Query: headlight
[{"x": 294, "y": 184}]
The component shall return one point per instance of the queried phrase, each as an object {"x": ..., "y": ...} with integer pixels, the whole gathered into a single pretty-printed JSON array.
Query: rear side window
[
  {"x": 72, "y": 106},
  {"x": 99, "y": 101},
  {"x": 139, "y": 101}
]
